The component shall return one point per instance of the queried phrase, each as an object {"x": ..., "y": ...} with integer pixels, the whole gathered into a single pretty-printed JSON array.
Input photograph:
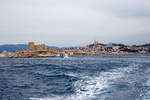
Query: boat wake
[{"x": 100, "y": 87}]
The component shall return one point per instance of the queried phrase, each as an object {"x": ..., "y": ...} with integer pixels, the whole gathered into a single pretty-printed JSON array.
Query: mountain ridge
[{"x": 14, "y": 47}]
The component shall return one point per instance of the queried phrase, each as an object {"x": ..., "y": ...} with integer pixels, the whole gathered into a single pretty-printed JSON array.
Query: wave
[
  {"x": 146, "y": 94},
  {"x": 93, "y": 87}
]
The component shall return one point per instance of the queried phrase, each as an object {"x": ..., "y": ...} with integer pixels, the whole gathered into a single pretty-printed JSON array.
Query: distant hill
[
  {"x": 101, "y": 44},
  {"x": 13, "y": 47},
  {"x": 67, "y": 47},
  {"x": 145, "y": 45},
  {"x": 53, "y": 47}
]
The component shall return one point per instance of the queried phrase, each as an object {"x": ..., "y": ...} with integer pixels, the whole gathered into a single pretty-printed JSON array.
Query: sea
[{"x": 104, "y": 77}]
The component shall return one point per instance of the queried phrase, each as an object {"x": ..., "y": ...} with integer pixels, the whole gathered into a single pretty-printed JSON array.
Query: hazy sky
[{"x": 74, "y": 22}]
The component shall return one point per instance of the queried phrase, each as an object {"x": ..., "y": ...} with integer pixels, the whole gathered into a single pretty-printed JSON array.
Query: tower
[
  {"x": 31, "y": 46},
  {"x": 95, "y": 43}
]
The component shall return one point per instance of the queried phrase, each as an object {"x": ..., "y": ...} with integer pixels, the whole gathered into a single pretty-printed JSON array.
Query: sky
[{"x": 74, "y": 22}]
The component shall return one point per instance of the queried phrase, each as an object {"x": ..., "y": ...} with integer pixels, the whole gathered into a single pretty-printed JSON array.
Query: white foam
[
  {"x": 146, "y": 95},
  {"x": 89, "y": 87}
]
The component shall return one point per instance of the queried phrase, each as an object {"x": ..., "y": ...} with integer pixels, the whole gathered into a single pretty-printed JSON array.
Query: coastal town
[{"x": 95, "y": 48}]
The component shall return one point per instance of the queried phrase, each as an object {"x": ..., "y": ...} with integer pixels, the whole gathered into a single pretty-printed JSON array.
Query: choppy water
[{"x": 119, "y": 77}]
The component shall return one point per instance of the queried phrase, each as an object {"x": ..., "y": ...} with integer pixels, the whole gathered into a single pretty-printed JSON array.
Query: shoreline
[
  {"x": 79, "y": 55},
  {"x": 95, "y": 49}
]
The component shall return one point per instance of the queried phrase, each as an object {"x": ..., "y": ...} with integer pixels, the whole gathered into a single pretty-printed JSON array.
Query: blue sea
[{"x": 105, "y": 77}]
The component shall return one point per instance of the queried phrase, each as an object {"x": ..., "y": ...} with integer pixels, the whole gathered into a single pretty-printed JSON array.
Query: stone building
[
  {"x": 35, "y": 51},
  {"x": 31, "y": 46}
]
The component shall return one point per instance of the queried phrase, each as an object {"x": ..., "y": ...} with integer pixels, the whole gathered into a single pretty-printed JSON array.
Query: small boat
[
  {"x": 62, "y": 55},
  {"x": 59, "y": 56},
  {"x": 66, "y": 55}
]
